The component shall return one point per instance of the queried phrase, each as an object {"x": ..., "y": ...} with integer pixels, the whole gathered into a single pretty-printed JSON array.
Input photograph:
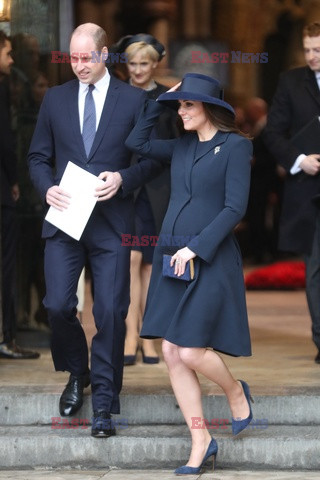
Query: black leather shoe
[
  {"x": 102, "y": 424},
  {"x": 12, "y": 351},
  {"x": 317, "y": 359},
  {"x": 71, "y": 399}
]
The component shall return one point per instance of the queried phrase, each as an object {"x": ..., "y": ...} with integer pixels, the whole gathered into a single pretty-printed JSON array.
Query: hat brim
[{"x": 170, "y": 99}]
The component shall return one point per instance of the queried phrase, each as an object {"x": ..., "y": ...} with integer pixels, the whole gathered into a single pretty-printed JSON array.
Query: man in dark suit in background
[
  {"x": 64, "y": 133},
  {"x": 295, "y": 104},
  {"x": 9, "y": 196}
]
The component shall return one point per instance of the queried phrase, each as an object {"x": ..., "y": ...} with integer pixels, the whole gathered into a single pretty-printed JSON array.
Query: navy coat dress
[{"x": 209, "y": 193}]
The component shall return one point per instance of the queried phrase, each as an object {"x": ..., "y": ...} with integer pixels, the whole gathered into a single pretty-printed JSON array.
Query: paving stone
[{"x": 154, "y": 475}]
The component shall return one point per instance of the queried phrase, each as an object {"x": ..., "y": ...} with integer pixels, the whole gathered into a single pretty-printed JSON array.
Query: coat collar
[
  {"x": 192, "y": 157},
  {"x": 218, "y": 139},
  {"x": 311, "y": 84}
]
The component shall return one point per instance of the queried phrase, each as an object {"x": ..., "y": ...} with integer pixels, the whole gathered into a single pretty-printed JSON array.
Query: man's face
[
  {"x": 85, "y": 64},
  {"x": 5, "y": 59},
  {"x": 311, "y": 47}
]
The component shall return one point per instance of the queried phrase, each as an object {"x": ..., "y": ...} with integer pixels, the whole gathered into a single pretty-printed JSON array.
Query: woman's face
[
  {"x": 141, "y": 69},
  {"x": 193, "y": 115}
]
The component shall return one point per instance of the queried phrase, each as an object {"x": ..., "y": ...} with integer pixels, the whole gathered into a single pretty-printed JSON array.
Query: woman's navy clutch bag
[{"x": 168, "y": 271}]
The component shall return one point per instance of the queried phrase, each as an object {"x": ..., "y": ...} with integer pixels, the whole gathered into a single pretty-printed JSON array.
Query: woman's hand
[
  {"x": 174, "y": 88},
  {"x": 180, "y": 259}
]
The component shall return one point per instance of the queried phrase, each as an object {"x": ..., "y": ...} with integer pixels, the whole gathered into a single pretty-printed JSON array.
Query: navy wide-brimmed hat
[
  {"x": 124, "y": 43},
  {"x": 195, "y": 86}
]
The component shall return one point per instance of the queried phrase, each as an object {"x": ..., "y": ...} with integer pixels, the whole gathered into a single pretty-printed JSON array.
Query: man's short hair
[
  {"x": 94, "y": 31},
  {"x": 3, "y": 39},
  {"x": 311, "y": 30}
]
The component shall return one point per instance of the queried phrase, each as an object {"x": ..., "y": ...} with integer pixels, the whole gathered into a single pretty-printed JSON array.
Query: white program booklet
[{"x": 81, "y": 185}]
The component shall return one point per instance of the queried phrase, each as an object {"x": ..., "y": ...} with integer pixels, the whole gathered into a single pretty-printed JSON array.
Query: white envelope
[{"x": 81, "y": 185}]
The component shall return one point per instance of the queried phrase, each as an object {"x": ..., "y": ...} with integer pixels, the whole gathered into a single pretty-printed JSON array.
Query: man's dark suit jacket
[
  {"x": 8, "y": 158},
  {"x": 296, "y": 102},
  {"x": 57, "y": 139}
]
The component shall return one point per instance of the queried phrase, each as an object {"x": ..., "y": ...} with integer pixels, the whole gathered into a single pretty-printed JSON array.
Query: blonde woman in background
[{"x": 143, "y": 53}]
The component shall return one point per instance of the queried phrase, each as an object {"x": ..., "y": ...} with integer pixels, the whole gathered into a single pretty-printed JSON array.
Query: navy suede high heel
[
  {"x": 130, "y": 359},
  {"x": 239, "y": 425},
  {"x": 149, "y": 360},
  {"x": 212, "y": 450}
]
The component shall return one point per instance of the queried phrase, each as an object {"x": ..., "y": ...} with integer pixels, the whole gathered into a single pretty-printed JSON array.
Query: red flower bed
[{"x": 278, "y": 276}]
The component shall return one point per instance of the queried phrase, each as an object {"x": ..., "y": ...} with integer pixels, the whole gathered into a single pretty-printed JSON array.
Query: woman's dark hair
[{"x": 220, "y": 117}]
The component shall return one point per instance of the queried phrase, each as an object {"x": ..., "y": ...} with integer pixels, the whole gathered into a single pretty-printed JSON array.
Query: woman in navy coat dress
[{"x": 210, "y": 179}]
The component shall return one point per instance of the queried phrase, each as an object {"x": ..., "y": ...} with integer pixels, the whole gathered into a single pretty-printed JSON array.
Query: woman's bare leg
[
  {"x": 211, "y": 365},
  {"x": 183, "y": 363},
  {"x": 187, "y": 391}
]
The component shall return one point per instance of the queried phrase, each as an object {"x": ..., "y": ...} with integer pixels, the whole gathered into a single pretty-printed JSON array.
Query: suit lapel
[
  {"x": 311, "y": 85},
  {"x": 106, "y": 115},
  {"x": 74, "y": 118}
]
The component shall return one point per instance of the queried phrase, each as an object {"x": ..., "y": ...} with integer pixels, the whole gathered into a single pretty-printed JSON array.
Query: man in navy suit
[
  {"x": 297, "y": 148},
  {"x": 9, "y": 197},
  {"x": 58, "y": 139}
]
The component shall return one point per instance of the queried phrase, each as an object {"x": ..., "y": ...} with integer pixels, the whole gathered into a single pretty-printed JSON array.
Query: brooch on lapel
[{"x": 216, "y": 150}]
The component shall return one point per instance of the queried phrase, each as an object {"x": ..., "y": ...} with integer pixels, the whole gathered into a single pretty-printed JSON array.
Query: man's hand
[
  {"x": 58, "y": 198},
  {"x": 113, "y": 182},
  {"x": 180, "y": 259},
  {"x": 311, "y": 164}
]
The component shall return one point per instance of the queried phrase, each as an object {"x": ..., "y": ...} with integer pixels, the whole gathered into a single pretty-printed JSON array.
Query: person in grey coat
[{"x": 210, "y": 179}]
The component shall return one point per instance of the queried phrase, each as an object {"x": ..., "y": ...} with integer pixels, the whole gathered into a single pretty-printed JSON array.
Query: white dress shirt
[{"x": 99, "y": 95}]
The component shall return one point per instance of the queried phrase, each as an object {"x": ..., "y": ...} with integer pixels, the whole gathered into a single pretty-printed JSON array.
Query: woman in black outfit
[{"x": 143, "y": 53}]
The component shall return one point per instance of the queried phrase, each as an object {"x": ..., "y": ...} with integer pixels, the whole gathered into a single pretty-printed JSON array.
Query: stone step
[
  {"x": 157, "y": 447},
  {"x": 38, "y": 405}
]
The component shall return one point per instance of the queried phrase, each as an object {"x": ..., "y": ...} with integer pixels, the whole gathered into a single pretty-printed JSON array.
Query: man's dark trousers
[
  {"x": 110, "y": 264},
  {"x": 312, "y": 263}
]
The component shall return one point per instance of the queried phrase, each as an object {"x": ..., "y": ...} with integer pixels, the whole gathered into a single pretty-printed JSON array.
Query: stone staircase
[{"x": 285, "y": 433}]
